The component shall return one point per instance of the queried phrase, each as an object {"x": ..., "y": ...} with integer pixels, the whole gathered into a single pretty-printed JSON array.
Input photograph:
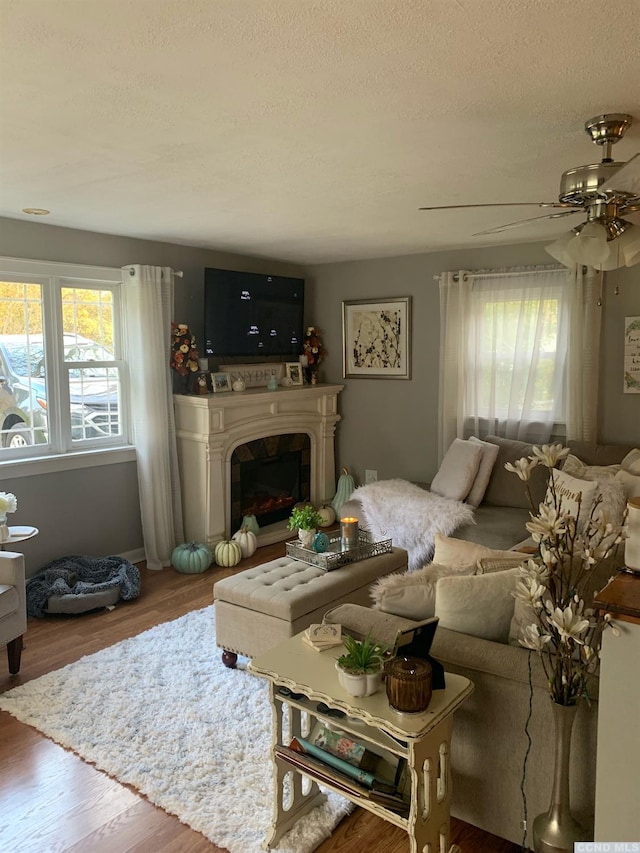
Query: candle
[{"x": 349, "y": 533}]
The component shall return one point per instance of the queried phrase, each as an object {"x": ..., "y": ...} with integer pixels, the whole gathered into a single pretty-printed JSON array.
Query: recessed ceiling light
[{"x": 35, "y": 211}]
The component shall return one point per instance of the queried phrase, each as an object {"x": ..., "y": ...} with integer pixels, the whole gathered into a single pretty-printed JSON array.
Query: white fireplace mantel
[{"x": 210, "y": 427}]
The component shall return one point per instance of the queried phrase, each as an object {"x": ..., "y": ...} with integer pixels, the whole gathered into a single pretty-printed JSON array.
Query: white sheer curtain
[
  {"x": 504, "y": 347},
  {"x": 148, "y": 293},
  {"x": 583, "y": 355}
]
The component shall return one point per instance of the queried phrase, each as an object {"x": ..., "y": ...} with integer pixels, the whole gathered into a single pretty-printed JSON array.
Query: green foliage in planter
[
  {"x": 362, "y": 655},
  {"x": 304, "y": 518}
]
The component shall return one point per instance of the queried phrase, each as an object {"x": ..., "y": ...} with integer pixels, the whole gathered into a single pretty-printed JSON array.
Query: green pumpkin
[
  {"x": 191, "y": 558},
  {"x": 228, "y": 553},
  {"x": 251, "y": 523},
  {"x": 343, "y": 492}
]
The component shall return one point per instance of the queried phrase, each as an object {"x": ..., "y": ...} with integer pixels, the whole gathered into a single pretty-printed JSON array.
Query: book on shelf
[
  {"x": 338, "y": 743},
  {"x": 322, "y": 772},
  {"x": 362, "y": 776}
]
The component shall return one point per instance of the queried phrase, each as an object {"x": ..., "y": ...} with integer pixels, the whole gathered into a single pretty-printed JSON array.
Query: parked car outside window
[{"x": 93, "y": 390}]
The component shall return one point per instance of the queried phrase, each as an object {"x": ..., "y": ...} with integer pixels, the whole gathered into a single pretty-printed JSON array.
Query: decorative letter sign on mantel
[{"x": 209, "y": 428}]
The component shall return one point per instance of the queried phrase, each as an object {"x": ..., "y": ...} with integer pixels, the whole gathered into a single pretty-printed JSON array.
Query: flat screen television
[{"x": 252, "y": 314}]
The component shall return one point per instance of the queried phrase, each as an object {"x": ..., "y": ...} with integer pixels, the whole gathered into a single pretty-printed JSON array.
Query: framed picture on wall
[
  {"x": 294, "y": 372},
  {"x": 220, "y": 382},
  {"x": 376, "y": 338}
]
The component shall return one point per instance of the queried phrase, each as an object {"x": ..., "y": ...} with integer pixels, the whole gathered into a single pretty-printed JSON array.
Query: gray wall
[
  {"x": 391, "y": 425},
  {"x": 95, "y": 511},
  {"x": 388, "y": 425}
]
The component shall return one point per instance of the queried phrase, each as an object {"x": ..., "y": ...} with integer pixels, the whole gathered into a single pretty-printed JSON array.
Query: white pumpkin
[
  {"x": 228, "y": 553},
  {"x": 247, "y": 541},
  {"x": 327, "y": 515}
]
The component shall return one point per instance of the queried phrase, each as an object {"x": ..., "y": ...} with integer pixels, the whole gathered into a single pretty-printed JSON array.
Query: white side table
[
  {"x": 423, "y": 740},
  {"x": 18, "y": 534}
]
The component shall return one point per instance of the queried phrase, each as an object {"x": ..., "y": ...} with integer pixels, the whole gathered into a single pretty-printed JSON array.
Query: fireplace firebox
[{"x": 268, "y": 476}]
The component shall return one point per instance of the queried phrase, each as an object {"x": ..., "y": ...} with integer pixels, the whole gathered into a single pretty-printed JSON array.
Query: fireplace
[
  {"x": 217, "y": 433},
  {"x": 268, "y": 476}
]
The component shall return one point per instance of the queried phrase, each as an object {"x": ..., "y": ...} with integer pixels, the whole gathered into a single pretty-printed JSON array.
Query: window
[
  {"x": 504, "y": 354},
  {"x": 516, "y": 357},
  {"x": 63, "y": 378}
]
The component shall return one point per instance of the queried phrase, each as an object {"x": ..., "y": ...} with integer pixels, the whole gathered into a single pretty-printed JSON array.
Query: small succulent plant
[{"x": 362, "y": 655}]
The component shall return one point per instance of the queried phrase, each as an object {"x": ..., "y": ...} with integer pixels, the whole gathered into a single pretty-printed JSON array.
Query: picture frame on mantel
[
  {"x": 294, "y": 372},
  {"x": 376, "y": 338},
  {"x": 220, "y": 382}
]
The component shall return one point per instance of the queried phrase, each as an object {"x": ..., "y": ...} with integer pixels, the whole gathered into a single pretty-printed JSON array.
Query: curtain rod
[
  {"x": 456, "y": 276},
  {"x": 178, "y": 273}
]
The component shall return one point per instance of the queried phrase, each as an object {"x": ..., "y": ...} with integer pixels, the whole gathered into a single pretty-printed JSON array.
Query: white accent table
[
  {"x": 422, "y": 739},
  {"x": 18, "y": 534}
]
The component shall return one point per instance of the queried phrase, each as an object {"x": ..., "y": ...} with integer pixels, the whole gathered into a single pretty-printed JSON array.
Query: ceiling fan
[{"x": 603, "y": 192}]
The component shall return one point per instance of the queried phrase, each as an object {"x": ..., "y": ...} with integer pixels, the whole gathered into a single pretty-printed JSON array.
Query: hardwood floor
[{"x": 52, "y": 801}]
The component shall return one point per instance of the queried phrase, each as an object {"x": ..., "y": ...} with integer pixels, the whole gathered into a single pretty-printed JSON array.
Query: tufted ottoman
[{"x": 261, "y": 607}]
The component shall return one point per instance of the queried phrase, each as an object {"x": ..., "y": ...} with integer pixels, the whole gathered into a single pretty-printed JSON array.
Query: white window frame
[{"x": 61, "y": 452}]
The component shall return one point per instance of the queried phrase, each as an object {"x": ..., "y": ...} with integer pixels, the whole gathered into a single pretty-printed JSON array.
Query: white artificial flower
[
  {"x": 522, "y": 467},
  {"x": 533, "y": 638},
  {"x": 530, "y": 591},
  {"x": 569, "y": 625},
  {"x": 8, "y": 502},
  {"x": 549, "y": 557},
  {"x": 550, "y": 454},
  {"x": 546, "y": 524}
]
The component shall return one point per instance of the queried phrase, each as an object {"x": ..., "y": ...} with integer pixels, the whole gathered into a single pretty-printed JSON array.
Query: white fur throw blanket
[{"x": 410, "y": 516}]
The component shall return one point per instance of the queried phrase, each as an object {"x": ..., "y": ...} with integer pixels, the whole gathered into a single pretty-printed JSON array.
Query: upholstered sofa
[{"x": 490, "y": 743}]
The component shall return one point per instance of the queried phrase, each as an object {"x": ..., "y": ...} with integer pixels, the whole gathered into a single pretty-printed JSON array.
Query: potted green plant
[
  {"x": 305, "y": 519},
  {"x": 360, "y": 667}
]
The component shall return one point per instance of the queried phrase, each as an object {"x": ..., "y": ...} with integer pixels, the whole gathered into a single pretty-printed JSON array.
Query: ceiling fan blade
[
  {"x": 525, "y": 221},
  {"x": 501, "y": 204},
  {"x": 626, "y": 179}
]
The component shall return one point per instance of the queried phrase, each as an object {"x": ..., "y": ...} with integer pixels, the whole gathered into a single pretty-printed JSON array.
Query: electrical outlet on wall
[{"x": 370, "y": 476}]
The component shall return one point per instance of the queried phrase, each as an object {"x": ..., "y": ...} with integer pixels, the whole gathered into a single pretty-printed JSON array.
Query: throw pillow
[
  {"x": 488, "y": 460},
  {"x": 507, "y": 489},
  {"x": 523, "y": 615},
  {"x": 478, "y": 605},
  {"x": 613, "y": 501},
  {"x": 457, "y": 470},
  {"x": 573, "y": 493},
  {"x": 630, "y": 484},
  {"x": 411, "y": 594},
  {"x": 631, "y": 462},
  {"x": 500, "y": 564},
  {"x": 577, "y": 468},
  {"x": 459, "y": 554}
]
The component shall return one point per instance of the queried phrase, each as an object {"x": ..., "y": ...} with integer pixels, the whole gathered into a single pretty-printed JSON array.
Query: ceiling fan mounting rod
[{"x": 607, "y": 129}]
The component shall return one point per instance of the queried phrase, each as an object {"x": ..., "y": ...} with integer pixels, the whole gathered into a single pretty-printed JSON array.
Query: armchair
[{"x": 13, "y": 606}]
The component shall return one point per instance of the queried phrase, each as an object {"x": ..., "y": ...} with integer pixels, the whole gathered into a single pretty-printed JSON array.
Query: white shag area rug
[
  {"x": 162, "y": 713},
  {"x": 411, "y": 516}
]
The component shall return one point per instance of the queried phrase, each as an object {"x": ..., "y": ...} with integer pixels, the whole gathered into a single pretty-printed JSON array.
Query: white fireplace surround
[{"x": 209, "y": 428}]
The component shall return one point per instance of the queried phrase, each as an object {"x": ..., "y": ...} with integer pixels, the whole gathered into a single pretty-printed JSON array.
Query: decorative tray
[{"x": 335, "y": 556}]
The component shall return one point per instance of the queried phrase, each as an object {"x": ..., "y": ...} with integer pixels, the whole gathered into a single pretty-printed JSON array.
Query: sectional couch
[{"x": 489, "y": 743}]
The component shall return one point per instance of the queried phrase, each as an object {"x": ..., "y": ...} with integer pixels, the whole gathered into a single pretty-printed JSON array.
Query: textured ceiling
[{"x": 306, "y": 130}]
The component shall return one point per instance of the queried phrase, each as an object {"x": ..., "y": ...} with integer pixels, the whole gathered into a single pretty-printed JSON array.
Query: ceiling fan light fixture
[
  {"x": 558, "y": 249},
  {"x": 630, "y": 245},
  {"x": 590, "y": 245}
]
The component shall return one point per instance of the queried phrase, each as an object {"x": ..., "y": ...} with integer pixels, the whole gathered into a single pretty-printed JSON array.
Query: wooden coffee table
[{"x": 422, "y": 740}]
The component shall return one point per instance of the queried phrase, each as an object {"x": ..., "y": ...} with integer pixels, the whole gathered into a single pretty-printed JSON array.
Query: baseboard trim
[{"x": 136, "y": 556}]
